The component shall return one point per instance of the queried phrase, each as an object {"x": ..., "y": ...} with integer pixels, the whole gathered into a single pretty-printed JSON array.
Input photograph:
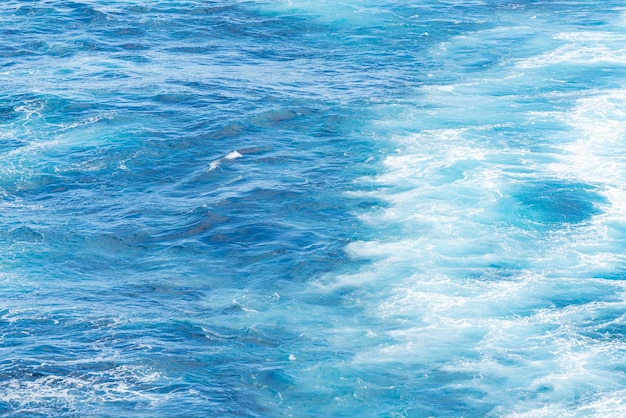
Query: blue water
[{"x": 313, "y": 208}]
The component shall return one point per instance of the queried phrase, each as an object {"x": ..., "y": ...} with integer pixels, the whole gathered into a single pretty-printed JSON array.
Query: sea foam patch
[{"x": 492, "y": 258}]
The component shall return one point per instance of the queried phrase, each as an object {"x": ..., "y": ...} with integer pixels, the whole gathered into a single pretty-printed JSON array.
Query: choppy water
[{"x": 312, "y": 208}]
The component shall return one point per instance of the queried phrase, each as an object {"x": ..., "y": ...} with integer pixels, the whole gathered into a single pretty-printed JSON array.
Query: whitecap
[{"x": 233, "y": 155}]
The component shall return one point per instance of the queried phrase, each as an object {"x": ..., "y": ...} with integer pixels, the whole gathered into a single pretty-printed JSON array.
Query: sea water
[{"x": 313, "y": 208}]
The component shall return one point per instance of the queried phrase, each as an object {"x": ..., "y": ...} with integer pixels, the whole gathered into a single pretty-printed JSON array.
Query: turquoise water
[{"x": 312, "y": 208}]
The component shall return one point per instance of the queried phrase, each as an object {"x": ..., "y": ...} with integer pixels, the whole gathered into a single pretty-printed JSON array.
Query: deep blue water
[{"x": 313, "y": 208}]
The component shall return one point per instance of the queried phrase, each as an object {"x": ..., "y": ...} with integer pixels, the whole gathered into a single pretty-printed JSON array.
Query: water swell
[{"x": 221, "y": 209}]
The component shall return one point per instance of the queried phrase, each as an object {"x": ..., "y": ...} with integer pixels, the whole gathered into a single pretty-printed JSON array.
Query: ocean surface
[{"x": 313, "y": 208}]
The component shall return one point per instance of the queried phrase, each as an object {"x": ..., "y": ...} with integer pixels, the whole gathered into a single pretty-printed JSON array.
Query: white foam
[
  {"x": 457, "y": 284},
  {"x": 123, "y": 383},
  {"x": 233, "y": 155},
  {"x": 582, "y": 48},
  {"x": 596, "y": 153}
]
